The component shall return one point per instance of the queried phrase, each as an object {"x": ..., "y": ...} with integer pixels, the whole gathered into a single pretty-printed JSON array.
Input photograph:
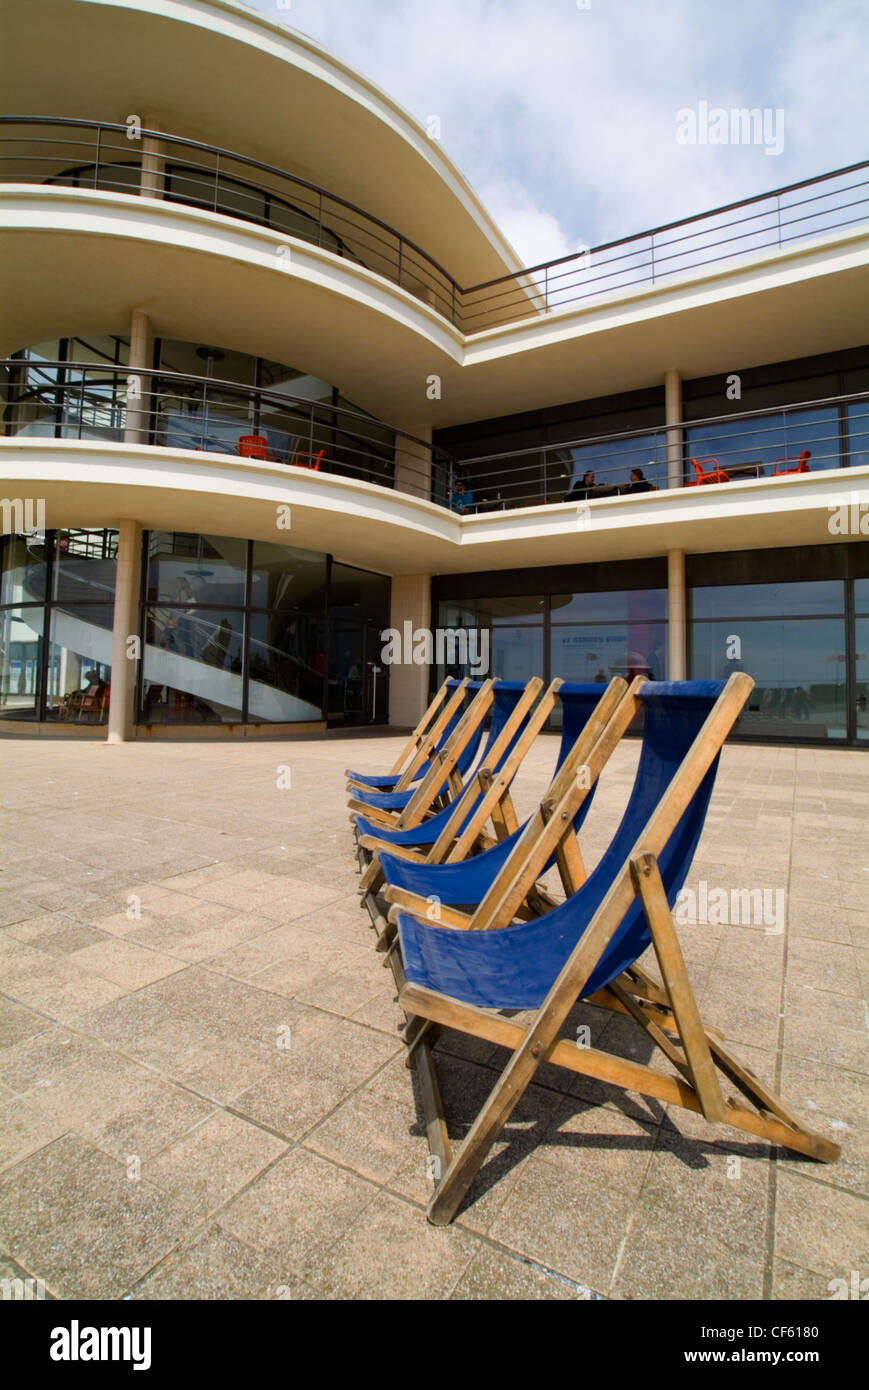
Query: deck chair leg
[
  {"x": 522, "y": 1067},
  {"x": 650, "y": 888}
]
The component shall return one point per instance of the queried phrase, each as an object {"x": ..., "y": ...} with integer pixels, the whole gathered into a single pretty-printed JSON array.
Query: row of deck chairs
[{"x": 451, "y": 881}]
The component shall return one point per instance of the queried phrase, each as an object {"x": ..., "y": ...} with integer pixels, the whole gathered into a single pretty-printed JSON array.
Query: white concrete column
[
  {"x": 673, "y": 417},
  {"x": 677, "y": 630},
  {"x": 124, "y": 626},
  {"x": 408, "y": 684},
  {"x": 153, "y": 164},
  {"x": 413, "y": 463},
  {"x": 141, "y": 357}
]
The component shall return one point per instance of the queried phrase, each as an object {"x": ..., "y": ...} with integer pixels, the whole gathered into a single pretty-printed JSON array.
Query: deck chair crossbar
[
  {"x": 549, "y": 834},
  {"x": 422, "y": 744},
  {"x": 635, "y": 900},
  {"x": 443, "y": 777},
  {"x": 486, "y": 795}
]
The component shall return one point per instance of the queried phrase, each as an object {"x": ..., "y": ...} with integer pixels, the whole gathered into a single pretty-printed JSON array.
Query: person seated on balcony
[
  {"x": 581, "y": 491},
  {"x": 638, "y": 482},
  {"x": 462, "y": 499}
]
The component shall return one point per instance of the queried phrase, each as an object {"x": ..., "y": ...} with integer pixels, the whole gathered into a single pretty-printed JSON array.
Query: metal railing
[
  {"x": 832, "y": 433},
  {"x": 94, "y": 154},
  {"x": 76, "y": 400},
  {"x": 776, "y": 220},
  {"x": 73, "y": 400},
  {"x": 68, "y": 152}
]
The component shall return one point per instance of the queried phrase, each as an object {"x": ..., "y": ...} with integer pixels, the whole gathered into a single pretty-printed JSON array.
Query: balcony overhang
[
  {"x": 85, "y": 483},
  {"x": 77, "y": 261},
  {"x": 218, "y": 71}
]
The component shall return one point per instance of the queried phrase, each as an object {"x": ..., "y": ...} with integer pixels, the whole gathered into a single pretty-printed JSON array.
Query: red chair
[
  {"x": 802, "y": 464},
  {"x": 715, "y": 475},
  {"x": 253, "y": 446},
  {"x": 304, "y": 454}
]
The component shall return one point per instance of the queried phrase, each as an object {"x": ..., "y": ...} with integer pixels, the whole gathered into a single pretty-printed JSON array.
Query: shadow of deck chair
[
  {"x": 444, "y": 780},
  {"x": 442, "y": 870},
  {"x": 430, "y": 733},
  {"x": 587, "y": 948}
]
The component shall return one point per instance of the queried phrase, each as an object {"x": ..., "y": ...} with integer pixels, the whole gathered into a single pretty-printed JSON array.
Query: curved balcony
[
  {"x": 171, "y": 410},
  {"x": 118, "y": 158},
  {"x": 111, "y": 157}
]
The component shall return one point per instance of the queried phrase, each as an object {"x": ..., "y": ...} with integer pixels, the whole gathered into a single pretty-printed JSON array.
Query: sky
[{"x": 563, "y": 114}]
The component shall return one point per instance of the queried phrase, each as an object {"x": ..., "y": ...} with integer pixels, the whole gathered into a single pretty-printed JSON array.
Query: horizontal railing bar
[
  {"x": 269, "y": 395},
  {"x": 532, "y": 296},
  {"x": 671, "y": 226},
  {"x": 664, "y": 429},
  {"x": 230, "y": 154}
]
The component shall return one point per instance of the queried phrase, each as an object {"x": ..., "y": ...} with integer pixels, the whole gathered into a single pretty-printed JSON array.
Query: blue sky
[{"x": 564, "y": 118}]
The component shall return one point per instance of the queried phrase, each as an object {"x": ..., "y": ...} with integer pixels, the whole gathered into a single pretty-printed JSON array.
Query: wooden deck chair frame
[
  {"x": 456, "y": 840},
  {"x": 668, "y": 1014},
  {"x": 442, "y": 780},
  {"x": 464, "y": 831},
  {"x": 549, "y": 831},
  {"x": 422, "y": 743}
]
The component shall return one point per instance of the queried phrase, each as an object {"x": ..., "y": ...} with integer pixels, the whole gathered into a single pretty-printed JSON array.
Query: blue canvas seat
[
  {"x": 513, "y": 968},
  {"x": 455, "y": 839},
  {"x": 588, "y": 948},
  {"x": 467, "y": 881},
  {"x": 387, "y": 781},
  {"x": 397, "y": 801}
]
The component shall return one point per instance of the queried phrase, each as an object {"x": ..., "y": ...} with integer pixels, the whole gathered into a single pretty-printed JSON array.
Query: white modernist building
[{"x": 273, "y": 381}]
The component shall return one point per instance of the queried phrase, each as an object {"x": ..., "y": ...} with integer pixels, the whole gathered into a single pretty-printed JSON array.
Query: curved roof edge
[{"x": 240, "y": 22}]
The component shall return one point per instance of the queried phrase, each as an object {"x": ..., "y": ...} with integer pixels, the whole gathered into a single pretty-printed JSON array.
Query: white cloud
[
  {"x": 535, "y": 233},
  {"x": 564, "y": 119}
]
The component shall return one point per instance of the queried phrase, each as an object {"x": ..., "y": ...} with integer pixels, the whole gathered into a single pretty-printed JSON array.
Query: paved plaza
[{"x": 202, "y": 1086}]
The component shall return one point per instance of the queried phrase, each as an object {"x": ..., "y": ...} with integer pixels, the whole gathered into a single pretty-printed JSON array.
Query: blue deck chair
[
  {"x": 448, "y": 838},
  {"x": 450, "y": 765},
  {"x": 396, "y": 801},
  {"x": 588, "y": 948},
  {"x": 429, "y": 736},
  {"x": 586, "y": 712}
]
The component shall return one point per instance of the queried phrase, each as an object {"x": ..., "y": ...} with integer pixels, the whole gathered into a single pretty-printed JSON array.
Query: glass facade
[
  {"x": 578, "y": 637},
  {"x": 792, "y": 639},
  {"x": 56, "y": 597},
  {"x": 233, "y": 631},
  {"x": 861, "y": 658},
  {"x": 804, "y": 641},
  {"x": 214, "y": 402}
]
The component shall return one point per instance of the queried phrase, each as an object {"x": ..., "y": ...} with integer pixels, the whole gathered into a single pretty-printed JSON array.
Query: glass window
[
  {"x": 192, "y": 666},
  {"x": 598, "y": 651},
  {"x": 287, "y": 578},
  {"x": 21, "y": 632},
  {"x": 84, "y": 568},
  {"x": 768, "y": 600},
  {"x": 858, "y": 434},
  {"x": 798, "y": 666},
  {"x": 359, "y": 594},
  {"x": 861, "y": 595},
  {"x": 345, "y": 694},
  {"x": 493, "y": 612},
  {"x": 286, "y": 668},
  {"x": 516, "y": 654},
  {"x": 861, "y": 633},
  {"x": 22, "y": 569},
  {"x": 79, "y": 664},
  {"x": 757, "y": 446},
  {"x": 612, "y": 462},
  {"x": 625, "y": 606},
  {"x": 188, "y": 569}
]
